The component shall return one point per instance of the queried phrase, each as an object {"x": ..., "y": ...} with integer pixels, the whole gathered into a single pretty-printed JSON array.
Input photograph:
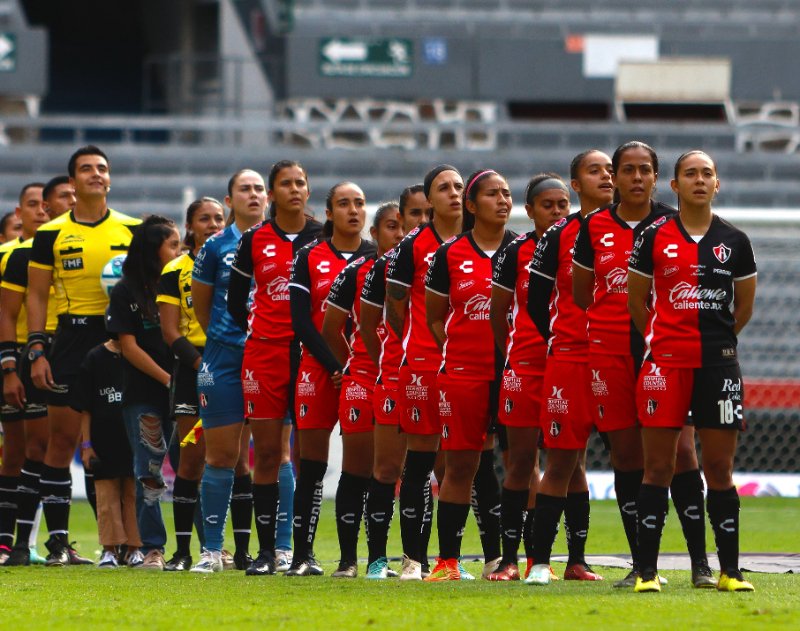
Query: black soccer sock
[
  {"x": 265, "y": 507},
  {"x": 427, "y": 523},
  {"x": 548, "y": 515},
  {"x": 626, "y": 487},
  {"x": 27, "y": 500},
  {"x": 184, "y": 504},
  {"x": 350, "y": 495},
  {"x": 687, "y": 495},
  {"x": 307, "y": 504},
  {"x": 651, "y": 506},
  {"x": 379, "y": 509},
  {"x": 242, "y": 511},
  {"x": 55, "y": 486},
  {"x": 723, "y": 513},
  {"x": 527, "y": 533},
  {"x": 512, "y": 520},
  {"x": 91, "y": 494},
  {"x": 450, "y": 521},
  {"x": 8, "y": 508},
  {"x": 416, "y": 476},
  {"x": 576, "y": 526},
  {"x": 486, "y": 505}
]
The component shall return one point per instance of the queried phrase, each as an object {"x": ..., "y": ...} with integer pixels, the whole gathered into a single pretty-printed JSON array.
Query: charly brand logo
[{"x": 722, "y": 252}]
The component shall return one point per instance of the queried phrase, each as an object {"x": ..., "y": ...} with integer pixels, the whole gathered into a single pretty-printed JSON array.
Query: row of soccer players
[
  {"x": 443, "y": 291},
  {"x": 448, "y": 303}
]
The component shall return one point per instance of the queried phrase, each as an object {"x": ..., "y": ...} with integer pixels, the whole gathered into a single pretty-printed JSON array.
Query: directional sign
[
  {"x": 373, "y": 58},
  {"x": 8, "y": 52}
]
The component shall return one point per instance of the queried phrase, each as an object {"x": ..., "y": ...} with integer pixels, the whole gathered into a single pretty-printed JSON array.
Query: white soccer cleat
[
  {"x": 411, "y": 571},
  {"x": 210, "y": 562},
  {"x": 539, "y": 575}
]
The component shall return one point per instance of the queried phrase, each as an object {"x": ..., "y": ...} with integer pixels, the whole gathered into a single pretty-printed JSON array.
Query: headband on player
[
  {"x": 549, "y": 184},
  {"x": 432, "y": 174},
  {"x": 475, "y": 179}
]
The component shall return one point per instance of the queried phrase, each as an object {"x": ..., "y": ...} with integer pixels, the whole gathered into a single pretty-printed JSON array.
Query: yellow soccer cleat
[{"x": 734, "y": 582}]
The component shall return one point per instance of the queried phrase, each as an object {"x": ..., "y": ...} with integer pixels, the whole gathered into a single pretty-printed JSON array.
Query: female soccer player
[
  {"x": 386, "y": 350},
  {"x": 565, "y": 418},
  {"x": 458, "y": 289},
  {"x": 219, "y": 385},
  {"x": 133, "y": 316},
  {"x": 186, "y": 338},
  {"x": 358, "y": 384},
  {"x": 701, "y": 274},
  {"x": 417, "y": 389},
  {"x": 616, "y": 348},
  {"x": 320, "y": 375},
  {"x": 269, "y": 369},
  {"x": 525, "y": 353}
]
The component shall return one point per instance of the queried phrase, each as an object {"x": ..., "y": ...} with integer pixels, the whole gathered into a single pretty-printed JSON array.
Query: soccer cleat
[
  {"x": 462, "y": 572},
  {"x": 378, "y": 569},
  {"x": 629, "y": 580},
  {"x": 153, "y": 561},
  {"x": 179, "y": 563},
  {"x": 581, "y": 572},
  {"x": 19, "y": 556},
  {"x": 733, "y": 581},
  {"x": 446, "y": 570},
  {"x": 108, "y": 561},
  {"x": 35, "y": 557},
  {"x": 210, "y": 562},
  {"x": 390, "y": 573},
  {"x": 283, "y": 560},
  {"x": 58, "y": 554},
  {"x": 529, "y": 563},
  {"x": 505, "y": 571},
  {"x": 242, "y": 560},
  {"x": 75, "y": 558},
  {"x": 227, "y": 560},
  {"x": 304, "y": 567},
  {"x": 646, "y": 582},
  {"x": 703, "y": 577},
  {"x": 263, "y": 565},
  {"x": 425, "y": 568},
  {"x": 135, "y": 558},
  {"x": 411, "y": 570},
  {"x": 540, "y": 574},
  {"x": 346, "y": 569},
  {"x": 490, "y": 566}
]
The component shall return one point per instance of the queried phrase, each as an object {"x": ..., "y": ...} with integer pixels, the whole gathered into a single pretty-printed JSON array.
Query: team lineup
[{"x": 441, "y": 338}]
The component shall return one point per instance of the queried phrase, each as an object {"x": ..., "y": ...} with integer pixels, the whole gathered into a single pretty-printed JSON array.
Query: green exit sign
[{"x": 390, "y": 58}]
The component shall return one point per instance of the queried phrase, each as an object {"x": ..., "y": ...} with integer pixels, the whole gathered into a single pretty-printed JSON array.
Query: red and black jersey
[
  {"x": 345, "y": 288},
  {"x": 408, "y": 267},
  {"x": 374, "y": 293},
  {"x": 691, "y": 324},
  {"x": 462, "y": 271},
  {"x": 526, "y": 351},
  {"x": 265, "y": 254},
  {"x": 552, "y": 260},
  {"x": 315, "y": 268},
  {"x": 603, "y": 246}
]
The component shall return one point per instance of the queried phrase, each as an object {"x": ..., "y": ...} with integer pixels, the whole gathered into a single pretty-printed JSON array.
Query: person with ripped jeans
[{"x": 133, "y": 316}]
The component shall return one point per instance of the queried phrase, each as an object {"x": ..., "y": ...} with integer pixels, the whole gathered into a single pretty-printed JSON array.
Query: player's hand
[
  {"x": 41, "y": 375},
  {"x": 13, "y": 391},
  {"x": 86, "y": 456},
  {"x": 337, "y": 379}
]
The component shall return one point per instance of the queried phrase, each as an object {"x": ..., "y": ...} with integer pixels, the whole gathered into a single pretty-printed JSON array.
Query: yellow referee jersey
[
  {"x": 76, "y": 253},
  {"x": 14, "y": 273}
]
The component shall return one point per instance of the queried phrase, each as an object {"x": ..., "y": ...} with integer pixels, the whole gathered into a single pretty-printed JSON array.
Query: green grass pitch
[{"x": 90, "y": 599}]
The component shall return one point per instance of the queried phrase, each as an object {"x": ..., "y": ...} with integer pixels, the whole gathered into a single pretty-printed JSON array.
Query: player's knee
[
  {"x": 387, "y": 472},
  {"x": 718, "y": 473}
]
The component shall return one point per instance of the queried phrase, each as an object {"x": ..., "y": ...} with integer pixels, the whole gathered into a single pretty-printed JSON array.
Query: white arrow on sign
[
  {"x": 338, "y": 51},
  {"x": 6, "y": 45}
]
